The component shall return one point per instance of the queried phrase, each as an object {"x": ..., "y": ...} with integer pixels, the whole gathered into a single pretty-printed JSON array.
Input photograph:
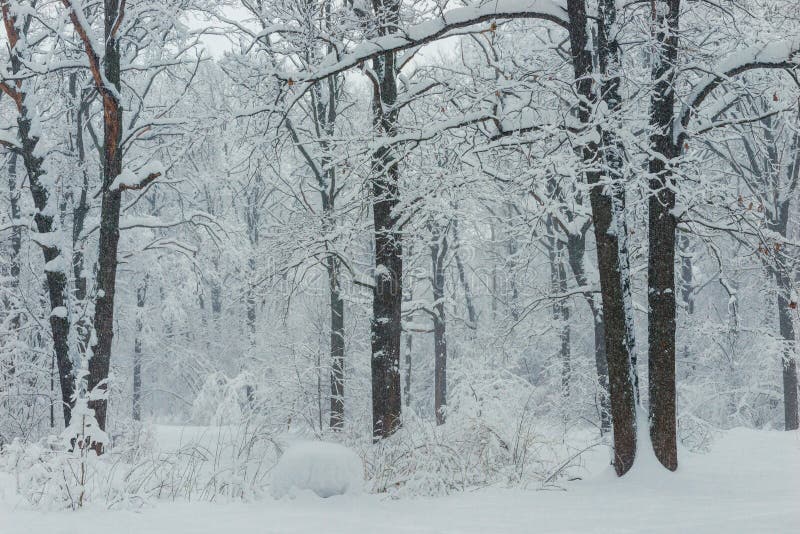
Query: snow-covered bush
[
  {"x": 493, "y": 435},
  {"x": 327, "y": 469},
  {"x": 218, "y": 402},
  {"x": 143, "y": 466},
  {"x": 48, "y": 477}
]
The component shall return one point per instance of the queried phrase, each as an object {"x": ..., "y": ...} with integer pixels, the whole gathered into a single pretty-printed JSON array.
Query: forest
[{"x": 512, "y": 252}]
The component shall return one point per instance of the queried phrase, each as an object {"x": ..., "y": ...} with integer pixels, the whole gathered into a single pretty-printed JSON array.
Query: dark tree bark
[
  {"x": 661, "y": 234},
  {"x": 387, "y": 298},
  {"x": 608, "y": 53},
  {"x": 621, "y": 378},
  {"x": 666, "y": 147},
  {"x": 55, "y": 274},
  {"x": 788, "y": 362},
  {"x": 100, "y": 362},
  {"x": 438, "y": 249},
  {"x": 105, "y": 71}
]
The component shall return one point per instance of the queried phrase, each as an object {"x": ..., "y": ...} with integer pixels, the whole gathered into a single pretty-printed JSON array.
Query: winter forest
[{"x": 461, "y": 266}]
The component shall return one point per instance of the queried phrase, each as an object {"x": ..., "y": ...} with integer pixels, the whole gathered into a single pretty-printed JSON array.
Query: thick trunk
[
  {"x": 621, "y": 380},
  {"x": 100, "y": 362},
  {"x": 661, "y": 325},
  {"x": 612, "y": 154},
  {"x": 55, "y": 273},
  {"x": 387, "y": 298},
  {"x": 141, "y": 294},
  {"x": 386, "y": 308},
  {"x": 662, "y": 229}
]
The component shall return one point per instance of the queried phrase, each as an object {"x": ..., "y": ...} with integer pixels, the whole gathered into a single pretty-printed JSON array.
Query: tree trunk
[
  {"x": 55, "y": 264},
  {"x": 16, "y": 231},
  {"x": 55, "y": 274},
  {"x": 100, "y": 362},
  {"x": 662, "y": 229},
  {"x": 438, "y": 250},
  {"x": 387, "y": 297},
  {"x": 409, "y": 336},
  {"x": 141, "y": 294},
  {"x": 80, "y": 209},
  {"x": 337, "y": 345},
  {"x": 612, "y": 153},
  {"x": 16, "y": 246},
  {"x": 326, "y": 114},
  {"x": 560, "y": 308},
  {"x": 786, "y": 319},
  {"x": 9, "y": 368},
  {"x": 687, "y": 274},
  {"x": 789, "y": 361},
  {"x": 621, "y": 380}
]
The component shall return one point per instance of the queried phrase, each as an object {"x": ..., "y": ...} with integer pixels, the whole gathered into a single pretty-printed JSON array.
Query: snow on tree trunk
[{"x": 387, "y": 296}]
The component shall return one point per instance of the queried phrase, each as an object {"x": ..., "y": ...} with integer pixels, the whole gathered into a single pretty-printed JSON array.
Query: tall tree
[
  {"x": 387, "y": 295},
  {"x": 56, "y": 264}
]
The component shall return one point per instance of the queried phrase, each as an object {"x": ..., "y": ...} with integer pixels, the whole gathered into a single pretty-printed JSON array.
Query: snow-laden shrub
[
  {"x": 226, "y": 462},
  {"x": 49, "y": 477},
  {"x": 219, "y": 401},
  {"x": 325, "y": 468},
  {"x": 230, "y": 462},
  {"x": 493, "y": 435}
]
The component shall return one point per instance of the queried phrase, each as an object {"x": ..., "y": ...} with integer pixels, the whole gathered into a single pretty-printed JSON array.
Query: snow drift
[{"x": 327, "y": 469}]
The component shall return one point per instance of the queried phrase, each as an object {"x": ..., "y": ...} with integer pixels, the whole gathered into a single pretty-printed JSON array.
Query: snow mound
[{"x": 327, "y": 469}]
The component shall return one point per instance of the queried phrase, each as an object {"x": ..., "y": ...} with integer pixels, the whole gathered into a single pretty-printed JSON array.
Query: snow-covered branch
[
  {"x": 435, "y": 29},
  {"x": 784, "y": 54}
]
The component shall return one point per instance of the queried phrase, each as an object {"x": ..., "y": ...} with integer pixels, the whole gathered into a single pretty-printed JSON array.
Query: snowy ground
[{"x": 749, "y": 483}]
